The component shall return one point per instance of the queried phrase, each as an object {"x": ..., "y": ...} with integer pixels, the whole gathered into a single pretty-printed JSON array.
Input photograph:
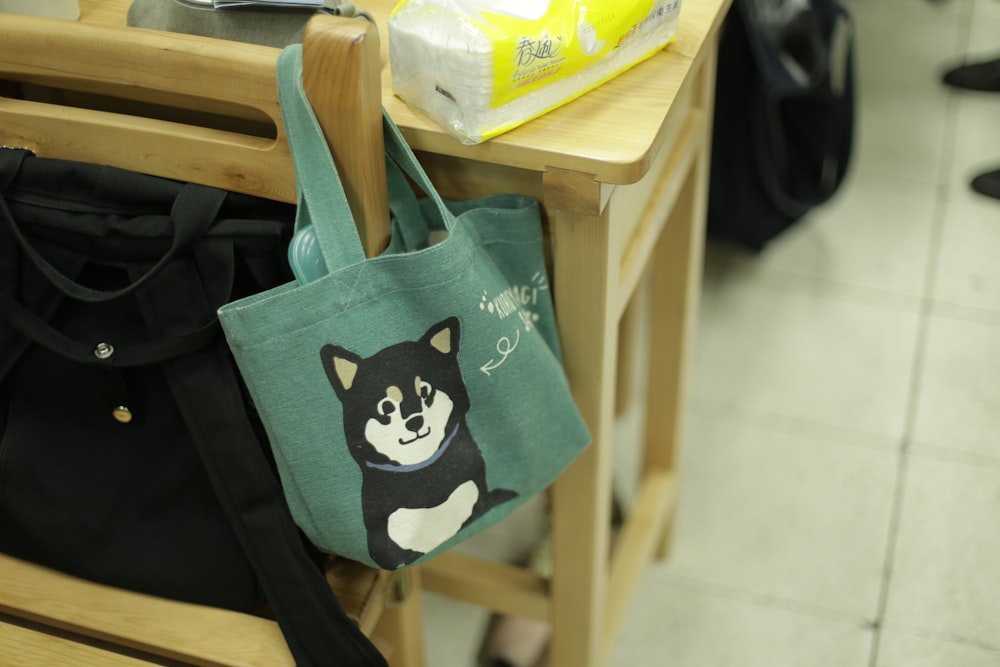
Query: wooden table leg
[
  {"x": 677, "y": 272},
  {"x": 597, "y": 242},
  {"x": 581, "y": 499}
]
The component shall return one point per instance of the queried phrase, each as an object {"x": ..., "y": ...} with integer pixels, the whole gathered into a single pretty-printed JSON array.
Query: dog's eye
[
  {"x": 386, "y": 407},
  {"x": 426, "y": 391}
]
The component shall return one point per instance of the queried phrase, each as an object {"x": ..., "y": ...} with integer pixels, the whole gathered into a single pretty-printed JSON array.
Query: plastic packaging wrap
[{"x": 482, "y": 67}]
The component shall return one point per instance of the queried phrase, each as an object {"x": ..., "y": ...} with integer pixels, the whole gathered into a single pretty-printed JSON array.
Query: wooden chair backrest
[{"x": 196, "y": 109}]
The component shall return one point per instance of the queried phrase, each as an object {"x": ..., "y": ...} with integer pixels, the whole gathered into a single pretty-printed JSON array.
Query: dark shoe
[
  {"x": 984, "y": 76},
  {"x": 987, "y": 184}
]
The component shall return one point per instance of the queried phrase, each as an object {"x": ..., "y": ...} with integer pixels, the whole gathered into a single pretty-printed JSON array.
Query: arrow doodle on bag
[{"x": 505, "y": 349}]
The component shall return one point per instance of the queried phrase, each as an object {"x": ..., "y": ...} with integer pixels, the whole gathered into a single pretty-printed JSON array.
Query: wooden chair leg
[{"x": 400, "y": 628}]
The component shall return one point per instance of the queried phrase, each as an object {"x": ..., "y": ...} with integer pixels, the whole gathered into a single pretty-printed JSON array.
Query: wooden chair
[{"x": 206, "y": 111}]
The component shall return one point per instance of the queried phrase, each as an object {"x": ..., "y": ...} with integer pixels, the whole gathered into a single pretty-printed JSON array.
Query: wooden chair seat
[{"x": 63, "y": 618}]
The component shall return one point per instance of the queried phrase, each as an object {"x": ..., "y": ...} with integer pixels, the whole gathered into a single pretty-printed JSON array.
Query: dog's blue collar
[{"x": 395, "y": 467}]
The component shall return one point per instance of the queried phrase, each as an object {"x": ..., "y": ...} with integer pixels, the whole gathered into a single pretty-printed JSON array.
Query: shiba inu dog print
[{"x": 423, "y": 475}]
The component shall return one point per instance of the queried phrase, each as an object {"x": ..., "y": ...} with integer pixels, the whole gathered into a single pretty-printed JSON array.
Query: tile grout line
[{"x": 923, "y": 324}]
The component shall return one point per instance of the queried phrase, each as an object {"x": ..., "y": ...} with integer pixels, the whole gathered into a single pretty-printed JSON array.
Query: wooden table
[{"x": 622, "y": 174}]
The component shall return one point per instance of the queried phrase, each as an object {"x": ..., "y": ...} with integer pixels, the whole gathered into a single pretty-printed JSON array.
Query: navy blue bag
[{"x": 784, "y": 116}]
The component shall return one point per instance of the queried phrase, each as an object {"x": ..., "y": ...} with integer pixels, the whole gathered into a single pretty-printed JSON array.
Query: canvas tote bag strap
[
  {"x": 400, "y": 152},
  {"x": 411, "y": 228},
  {"x": 322, "y": 201},
  {"x": 206, "y": 389},
  {"x": 321, "y": 198}
]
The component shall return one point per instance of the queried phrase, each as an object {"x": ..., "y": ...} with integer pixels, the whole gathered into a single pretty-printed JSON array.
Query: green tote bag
[{"x": 415, "y": 398}]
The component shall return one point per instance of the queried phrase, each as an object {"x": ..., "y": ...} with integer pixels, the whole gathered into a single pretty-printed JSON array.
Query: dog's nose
[{"x": 415, "y": 423}]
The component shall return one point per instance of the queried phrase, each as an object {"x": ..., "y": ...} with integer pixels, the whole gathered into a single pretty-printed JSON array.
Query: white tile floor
[{"x": 840, "y": 489}]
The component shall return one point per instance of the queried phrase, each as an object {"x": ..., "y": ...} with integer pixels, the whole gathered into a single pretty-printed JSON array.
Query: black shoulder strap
[{"x": 207, "y": 390}]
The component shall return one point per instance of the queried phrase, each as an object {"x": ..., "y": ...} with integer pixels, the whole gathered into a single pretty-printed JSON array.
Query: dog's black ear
[
  {"x": 444, "y": 336},
  {"x": 341, "y": 367}
]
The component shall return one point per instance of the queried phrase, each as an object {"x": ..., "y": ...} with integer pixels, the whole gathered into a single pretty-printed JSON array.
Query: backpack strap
[{"x": 207, "y": 389}]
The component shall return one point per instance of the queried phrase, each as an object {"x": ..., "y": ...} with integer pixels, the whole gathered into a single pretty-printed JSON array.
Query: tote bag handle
[{"x": 322, "y": 201}]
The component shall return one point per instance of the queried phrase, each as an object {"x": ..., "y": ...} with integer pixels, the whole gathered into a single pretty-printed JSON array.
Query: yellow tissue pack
[{"x": 482, "y": 67}]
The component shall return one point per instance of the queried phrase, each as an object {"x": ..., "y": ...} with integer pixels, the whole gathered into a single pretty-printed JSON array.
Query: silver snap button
[
  {"x": 103, "y": 351},
  {"x": 122, "y": 414}
]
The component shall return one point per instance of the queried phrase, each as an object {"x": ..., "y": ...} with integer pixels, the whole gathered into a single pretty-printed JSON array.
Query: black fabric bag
[
  {"x": 784, "y": 116},
  {"x": 130, "y": 454}
]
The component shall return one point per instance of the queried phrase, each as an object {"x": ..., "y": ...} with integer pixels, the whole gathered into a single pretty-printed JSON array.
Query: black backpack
[
  {"x": 784, "y": 116},
  {"x": 130, "y": 453}
]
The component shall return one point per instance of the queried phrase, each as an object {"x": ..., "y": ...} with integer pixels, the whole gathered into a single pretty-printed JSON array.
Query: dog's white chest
[{"x": 426, "y": 528}]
